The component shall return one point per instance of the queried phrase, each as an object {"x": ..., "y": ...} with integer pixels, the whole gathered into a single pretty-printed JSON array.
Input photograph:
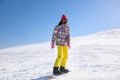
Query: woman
[{"x": 61, "y": 37}]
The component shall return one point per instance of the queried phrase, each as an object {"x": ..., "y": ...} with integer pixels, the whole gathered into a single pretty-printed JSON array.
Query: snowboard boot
[
  {"x": 56, "y": 71},
  {"x": 63, "y": 70}
]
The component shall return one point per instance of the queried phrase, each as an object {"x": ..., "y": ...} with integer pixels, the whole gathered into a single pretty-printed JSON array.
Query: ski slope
[{"x": 91, "y": 57}]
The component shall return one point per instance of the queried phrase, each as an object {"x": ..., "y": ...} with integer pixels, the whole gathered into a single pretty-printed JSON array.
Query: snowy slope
[{"x": 91, "y": 57}]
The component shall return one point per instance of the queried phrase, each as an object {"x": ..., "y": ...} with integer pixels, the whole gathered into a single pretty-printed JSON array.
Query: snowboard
[
  {"x": 53, "y": 77},
  {"x": 49, "y": 77}
]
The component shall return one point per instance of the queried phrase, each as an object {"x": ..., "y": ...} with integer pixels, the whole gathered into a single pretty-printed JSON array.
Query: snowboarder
[{"x": 61, "y": 37}]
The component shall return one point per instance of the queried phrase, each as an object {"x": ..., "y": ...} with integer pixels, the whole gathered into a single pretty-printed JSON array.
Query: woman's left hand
[{"x": 68, "y": 45}]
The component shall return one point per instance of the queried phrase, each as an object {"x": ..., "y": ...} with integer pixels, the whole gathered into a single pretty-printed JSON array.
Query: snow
[{"x": 91, "y": 57}]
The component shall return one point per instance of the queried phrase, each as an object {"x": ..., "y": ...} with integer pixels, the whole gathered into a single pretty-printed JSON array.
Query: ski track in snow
[{"x": 92, "y": 57}]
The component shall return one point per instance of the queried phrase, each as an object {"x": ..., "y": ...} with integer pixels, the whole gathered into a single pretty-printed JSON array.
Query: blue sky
[{"x": 32, "y": 21}]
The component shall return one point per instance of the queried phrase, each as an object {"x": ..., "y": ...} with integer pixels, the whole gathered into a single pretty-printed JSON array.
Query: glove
[
  {"x": 68, "y": 44},
  {"x": 52, "y": 46}
]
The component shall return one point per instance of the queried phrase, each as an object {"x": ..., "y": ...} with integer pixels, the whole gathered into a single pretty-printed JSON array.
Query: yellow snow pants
[{"x": 62, "y": 56}]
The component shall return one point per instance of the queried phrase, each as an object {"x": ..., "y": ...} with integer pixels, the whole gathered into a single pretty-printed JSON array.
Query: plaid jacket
[{"x": 61, "y": 35}]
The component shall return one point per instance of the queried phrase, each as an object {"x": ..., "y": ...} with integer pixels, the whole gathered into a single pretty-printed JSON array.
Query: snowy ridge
[
  {"x": 91, "y": 57},
  {"x": 111, "y": 33},
  {"x": 111, "y": 36}
]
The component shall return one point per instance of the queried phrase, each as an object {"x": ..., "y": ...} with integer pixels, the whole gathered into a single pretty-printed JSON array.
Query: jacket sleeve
[
  {"x": 68, "y": 36},
  {"x": 54, "y": 36}
]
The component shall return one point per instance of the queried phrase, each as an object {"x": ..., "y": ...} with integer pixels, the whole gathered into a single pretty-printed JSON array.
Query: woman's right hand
[{"x": 52, "y": 46}]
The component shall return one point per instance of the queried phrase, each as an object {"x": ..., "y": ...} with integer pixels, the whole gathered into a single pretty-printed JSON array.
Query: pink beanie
[{"x": 64, "y": 17}]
